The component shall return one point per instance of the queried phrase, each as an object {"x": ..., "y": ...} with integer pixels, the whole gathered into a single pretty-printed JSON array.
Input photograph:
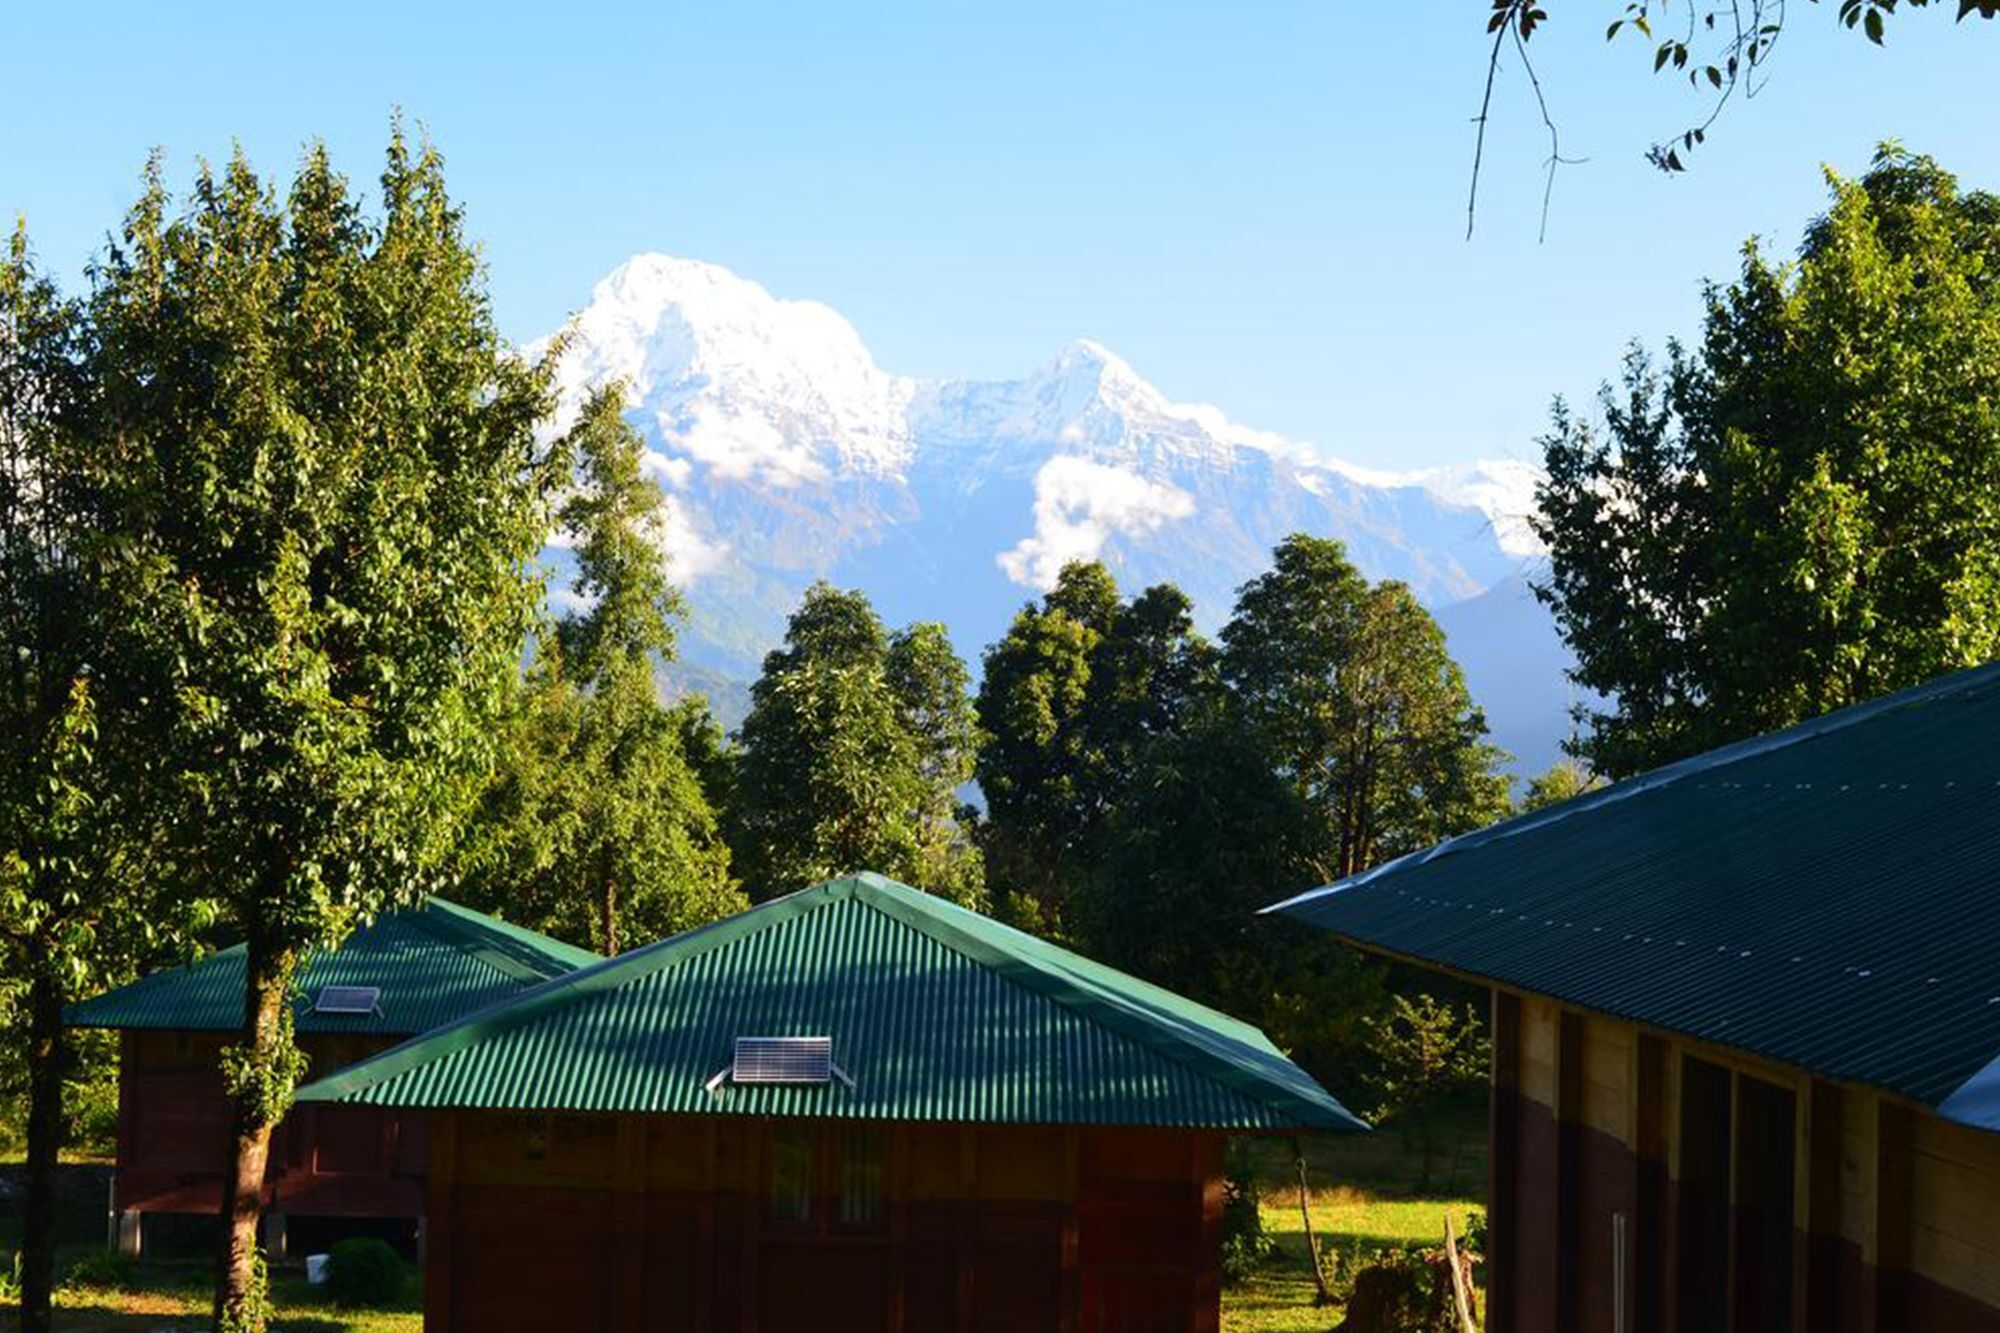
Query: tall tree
[
  {"x": 327, "y": 485},
  {"x": 1804, "y": 511},
  {"x": 1070, "y": 697},
  {"x": 1363, "y": 710},
  {"x": 599, "y": 828},
  {"x": 851, "y": 752},
  {"x": 78, "y": 831},
  {"x": 931, "y": 687}
]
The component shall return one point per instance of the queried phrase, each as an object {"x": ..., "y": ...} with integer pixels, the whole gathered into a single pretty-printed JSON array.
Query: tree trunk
[
  {"x": 48, "y": 1055},
  {"x": 260, "y": 1102},
  {"x": 607, "y": 908}
]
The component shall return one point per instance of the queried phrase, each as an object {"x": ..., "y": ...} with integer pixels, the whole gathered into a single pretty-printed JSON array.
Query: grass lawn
[{"x": 1366, "y": 1193}]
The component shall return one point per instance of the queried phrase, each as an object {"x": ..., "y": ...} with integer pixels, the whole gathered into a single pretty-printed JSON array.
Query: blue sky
[{"x": 1260, "y": 205}]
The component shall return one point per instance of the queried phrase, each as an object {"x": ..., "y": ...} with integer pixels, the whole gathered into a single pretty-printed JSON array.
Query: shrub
[
  {"x": 1245, "y": 1243},
  {"x": 100, "y": 1268},
  {"x": 10, "y": 1280},
  {"x": 365, "y": 1272}
]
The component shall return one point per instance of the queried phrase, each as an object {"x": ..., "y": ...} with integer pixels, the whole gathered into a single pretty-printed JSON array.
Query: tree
[
  {"x": 1427, "y": 1052},
  {"x": 327, "y": 495},
  {"x": 78, "y": 833},
  {"x": 1209, "y": 833},
  {"x": 930, "y": 685},
  {"x": 850, "y": 754},
  {"x": 599, "y": 828},
  {"x": 1564, "y": 779},
  {"x": 1722, "y": 49},
  {"x": 1351, "y": 689},
  {"x": 1068, "y": 701},
  {"x": 1804, "y": 511}
]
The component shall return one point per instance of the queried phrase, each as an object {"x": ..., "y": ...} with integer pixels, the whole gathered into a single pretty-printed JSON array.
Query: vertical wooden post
[
  {"x": 704, "y": 1277},
  {"x": 1816, "y": 1207},
  {"x": 756, "y": 1164},
  {"x": 1503, "y": 1162},
  {"x": 1206, "y": 1317},
  {"x": 1650, "y": 1245},
  {"x": 1892, "y": 1214},
  {"x": 1569, "y": 1169},
  {"x": 627, "y": 1296},
  {"x": 896, "y": 1192},
  {"x": 968, "y": 1219},
  {"x": 1072, "y": 1274},
  {"x": 441, "y": 1222}
]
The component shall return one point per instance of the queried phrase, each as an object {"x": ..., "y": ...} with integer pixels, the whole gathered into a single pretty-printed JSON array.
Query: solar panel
[
  {"x": 347, "y": 1000},
  {"x": 782, "y": 1060}
]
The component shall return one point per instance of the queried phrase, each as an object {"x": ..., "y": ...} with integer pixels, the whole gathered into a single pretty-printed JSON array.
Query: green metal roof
[
  {"x": 1827, "y": 896},
  {"x": 937, "y": 1013},
  {"x": 433, "y": 963}
]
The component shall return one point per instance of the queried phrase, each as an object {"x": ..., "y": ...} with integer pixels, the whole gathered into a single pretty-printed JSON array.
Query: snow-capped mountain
[{"x": 787, "y": 455}]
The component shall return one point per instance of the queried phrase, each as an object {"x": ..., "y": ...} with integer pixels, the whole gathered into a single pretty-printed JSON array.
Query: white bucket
[{"x": 316, "y": 1268}]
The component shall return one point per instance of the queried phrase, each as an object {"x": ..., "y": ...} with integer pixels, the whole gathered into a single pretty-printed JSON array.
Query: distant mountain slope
[{"x": 788, "y": 455}]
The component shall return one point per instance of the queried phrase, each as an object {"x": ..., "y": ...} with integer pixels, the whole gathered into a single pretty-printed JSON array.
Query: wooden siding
[
  {"x": 326, "y": 1161},
  {"x": 675, "y": 1223},
  {"x": 1750, "y": 1195}
]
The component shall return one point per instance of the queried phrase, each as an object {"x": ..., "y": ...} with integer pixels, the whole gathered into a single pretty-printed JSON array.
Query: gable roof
[
  {"x": 935, "y": 1012},
  {"x": 432, "y": 963},
  {"x": 1827, "y": 896}
]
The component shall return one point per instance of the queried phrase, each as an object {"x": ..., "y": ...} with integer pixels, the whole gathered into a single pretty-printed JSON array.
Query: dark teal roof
[
  {"x": 937, "y": 1013},
  {"x": 1827, "y": 897},
  {"x": 433, "y": 963}
]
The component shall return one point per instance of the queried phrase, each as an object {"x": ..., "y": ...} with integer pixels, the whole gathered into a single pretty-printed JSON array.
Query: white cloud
[
  {"x": 689, "y": 555},
  {"x": 1079, "y": 505}
]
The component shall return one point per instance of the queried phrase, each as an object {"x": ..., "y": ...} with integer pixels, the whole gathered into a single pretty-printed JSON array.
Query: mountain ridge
[{"x": 787, "y": 454}]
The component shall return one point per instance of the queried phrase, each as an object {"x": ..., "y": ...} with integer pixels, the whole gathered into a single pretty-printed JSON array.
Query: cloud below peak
[{"x": 1079, "y": 505}]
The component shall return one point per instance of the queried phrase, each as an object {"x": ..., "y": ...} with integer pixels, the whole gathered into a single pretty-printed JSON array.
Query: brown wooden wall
[
  {"x": 620, "y": 1223},
  {"x": 329, "y": 1161},
  {"x": 1703, "y": 1190}
]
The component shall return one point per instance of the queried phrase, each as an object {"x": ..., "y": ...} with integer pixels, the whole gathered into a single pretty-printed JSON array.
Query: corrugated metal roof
[
  {"x": 433, "y": 963},
  {"x": 1827, "y": 896},
  {"x": 935, "y": 1012}
]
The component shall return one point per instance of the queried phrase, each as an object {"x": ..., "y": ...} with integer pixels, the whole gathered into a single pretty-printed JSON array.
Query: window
[
  {"x": 792, "y": 1174},
  {"x": 861, "y": 1178}
]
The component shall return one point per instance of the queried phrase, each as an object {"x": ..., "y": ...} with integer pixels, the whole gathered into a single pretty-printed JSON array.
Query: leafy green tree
[
  {"x": 327, "y": 495},
  {"x": 1351, "y": 689},
  {"x": 1427, "y": 1053},
  {"x": 931, "y": 688},
  {"x": 1072, "y": 696},
  {"x": 1564, "y": 779},
  {"x": 600, "y": 829},
  {"x": 79, "y": 841},
  {"x": 1207, "y": 835},
  {"x": 851, "y": 754},
  {"x": 1804, "y": 511}
]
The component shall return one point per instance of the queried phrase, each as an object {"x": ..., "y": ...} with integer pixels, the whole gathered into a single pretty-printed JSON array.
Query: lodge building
[
  {"x": 333, "y": 1170},
  {"x": 1746, "y": 1028},
  {"x": 857, "y": 1107}
]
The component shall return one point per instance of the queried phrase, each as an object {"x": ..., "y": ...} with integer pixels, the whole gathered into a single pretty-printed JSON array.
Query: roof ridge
[
  {"x": 513, "y": 1011},
  {"x": 1154, "y": 1027},
  {"x": 499, "y": 941},
  {"x": 1955, "y": 684}
]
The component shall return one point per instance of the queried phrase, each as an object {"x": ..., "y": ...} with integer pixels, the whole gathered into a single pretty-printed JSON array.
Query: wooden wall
[
  {"x": 693, "y": 1223},
  {"x": 1644, "y": 1182},
  {"x": 332, "y": 1161}
]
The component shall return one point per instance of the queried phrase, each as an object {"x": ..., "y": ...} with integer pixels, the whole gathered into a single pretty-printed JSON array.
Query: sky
[{"x": 1259, "y": 205}]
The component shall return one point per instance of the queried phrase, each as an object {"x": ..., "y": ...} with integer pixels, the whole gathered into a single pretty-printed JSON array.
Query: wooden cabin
[
  {"x": 858, "y": 1107},
  {"x": 1746, "y": 1028},
  {"x": 330, "y": 1167}
]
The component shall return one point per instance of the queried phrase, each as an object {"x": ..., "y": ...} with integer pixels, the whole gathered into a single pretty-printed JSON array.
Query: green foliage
[
  {"x": 1069, "y": 700},
  {"x": 109, "y": 1269},
  {"x": 320, "y": 462},
  {"x": 1804, "y": 511},
  {"x": 1564, "y": 779},
  {"x": 599, "y": 828},
  {"x": 852, "y": 754},
  {"x": 365, "y": 1273},
  {"x": 1246, "y": 1245},
  {"x": 1350, "y": 688},
  {"x": 1426, "y": 1052}
]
